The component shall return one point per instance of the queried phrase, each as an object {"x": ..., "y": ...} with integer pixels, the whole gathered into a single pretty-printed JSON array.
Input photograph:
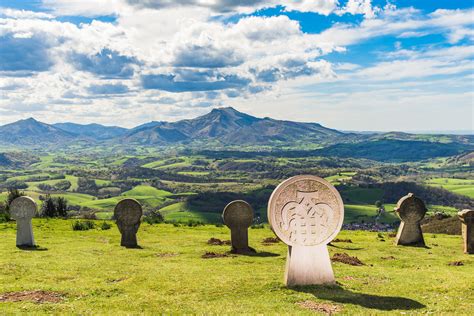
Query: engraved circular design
[
  {"x": 238, "y": 214},
  {"x": 128, "y": 212},
  {"x": 306, "y": 211},
  {"x": 410, "y": 208},
  {"x": 23, "y": 207}
]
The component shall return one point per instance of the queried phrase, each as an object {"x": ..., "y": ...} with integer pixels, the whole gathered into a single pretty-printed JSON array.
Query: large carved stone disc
[
  {"x": 306, "y": 211},
  {"x": 23, "y": 207},
  {"x": 238, "y": 214},
  {"x": 128, "y": 212},
  {"x": 410, "y": 208}
]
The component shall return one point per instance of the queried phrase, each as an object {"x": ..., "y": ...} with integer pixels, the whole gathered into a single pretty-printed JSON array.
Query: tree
[
  {"x": 49, "y": 208},
  {"x": 61, "y": 207},
  {"x": 13, "y": 194},
  {"x": 378, "y": 204}
]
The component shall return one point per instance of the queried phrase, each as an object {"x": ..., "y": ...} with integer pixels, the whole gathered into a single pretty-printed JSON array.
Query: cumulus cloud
[
  {"x": 186, "y": 54},
  {"x": 108, "y": 89},
  {"x": 24, "y": 53},
  {"x": 106, "y": 63}
]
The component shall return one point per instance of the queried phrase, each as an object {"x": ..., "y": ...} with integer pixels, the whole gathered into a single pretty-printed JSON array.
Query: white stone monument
[
  {"x": 306, "y": 212},
  {"x": 22, "y": 209}
]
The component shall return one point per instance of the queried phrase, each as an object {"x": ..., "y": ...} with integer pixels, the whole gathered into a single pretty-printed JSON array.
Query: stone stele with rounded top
[
  {"x": 467, "y": 220},
  {"x": 128, "y": 213},
  {"x": 411, "y": 211},
  {"x": 238, "y": 216},
  {"x": 306, "y": 212},
  {"x": 22, "y": 209}
]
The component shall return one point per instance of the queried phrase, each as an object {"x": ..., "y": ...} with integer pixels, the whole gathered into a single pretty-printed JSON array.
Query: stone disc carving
[
  {"x": 128, "y": 212},
  {"x": 410, "y": 208},
  {"x": 23, "y": 207},
  {"x": 238, "y": 213},
  {"x": 306, "y": 211}
]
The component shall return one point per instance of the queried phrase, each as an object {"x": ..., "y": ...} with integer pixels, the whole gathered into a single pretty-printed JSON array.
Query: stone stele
[
  {"x": 411, "y": 211},
  {"x": 306, "y": 212},
  {"x": 22, "y": 209},
  {"x": 238, "y": 216},
  {"x": 128, "y": 213},
  {"x": 467, "y": 219}
]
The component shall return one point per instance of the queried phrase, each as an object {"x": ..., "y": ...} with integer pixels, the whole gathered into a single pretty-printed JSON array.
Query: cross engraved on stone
[{"x": 304, "y": 216}]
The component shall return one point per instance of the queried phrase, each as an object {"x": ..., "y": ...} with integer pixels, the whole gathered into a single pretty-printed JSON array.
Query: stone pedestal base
[
  {"x": 410, "y": 234},
  {"x": 24, "y": 233},
  {"x": 308, "y": 265},
  {"x": 129, "y": 240},
  {"x": 239, "y": 238},
  {"x": 468, "y": 236}
]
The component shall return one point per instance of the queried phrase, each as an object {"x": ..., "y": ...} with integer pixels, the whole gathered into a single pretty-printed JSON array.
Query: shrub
[
  {"x": 194, "y": 223},
  {"x": 105, "y": 226},
  {"x": 85, "y": 225},
  {"x": 257, "y": 226},
  {"x": 153, "y": 217}
]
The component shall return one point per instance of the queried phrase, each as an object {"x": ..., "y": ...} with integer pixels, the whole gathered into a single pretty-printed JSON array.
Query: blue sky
[{"x": 347, "y": 64}]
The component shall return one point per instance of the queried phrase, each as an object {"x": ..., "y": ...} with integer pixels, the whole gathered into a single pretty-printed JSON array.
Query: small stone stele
[
  {"x": 128, "y": 213},
  {"x": 411, "y": 211},
  {"x": 467, "y": 219},
  {"x": 22, "y": 209},
  {"x": 306, "y": 213},
  {"x": 238, "y": 216}
]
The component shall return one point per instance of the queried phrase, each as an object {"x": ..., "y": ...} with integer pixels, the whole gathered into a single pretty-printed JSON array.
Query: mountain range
[
  {"x": 225, "y": 125},
  {"x": 228, "y": 127}
]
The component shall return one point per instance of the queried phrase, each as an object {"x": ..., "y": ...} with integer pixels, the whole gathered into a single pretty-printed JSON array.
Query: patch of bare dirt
[
  {"x": 328, "y": 309},
  {"x": 270, "y": 240},
  {"x": 342, "y": 240},
  {"x": 388, "y": 258},
  {"x": 456, "y": 263},
  {"x": 218, "y": 242},
  {"x": 33, "y": 296},
  {"x": 346, "y": 259},
  {"x": 116, "y": 280},
  {"x": 210, "y": 255},
  {"x": 392, "y": 235}
]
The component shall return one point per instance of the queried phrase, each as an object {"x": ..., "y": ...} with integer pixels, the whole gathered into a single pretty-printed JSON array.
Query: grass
[
  {"x": 459, "y": 186},
  {"x": 96, "y": 275}
]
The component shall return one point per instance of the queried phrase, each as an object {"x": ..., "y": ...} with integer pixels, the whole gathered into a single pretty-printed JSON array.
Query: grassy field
[
  {"x": 95, "y": 275},
  {"x": 459, "y": 186}
]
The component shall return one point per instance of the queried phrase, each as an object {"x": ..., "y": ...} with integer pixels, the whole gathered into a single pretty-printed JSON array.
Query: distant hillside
[
  {"x": 231, "y": 127},
  {"x": 395, "y": 150},
  {"x": 32, "y": 132},
  {"x": 95, "y": 131},
  {"x": 228, "y": 127}
]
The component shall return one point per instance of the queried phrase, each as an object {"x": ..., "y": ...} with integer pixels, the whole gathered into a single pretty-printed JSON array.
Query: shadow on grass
[
  {"x": 32, "y": 248},
  {"x": 340, "y": 295},
  {"x": 260, "y": 254},
  {"x": 251, "y": 252},
  {"x": 133, "y": 247},
  {"x": 345, "y": 248}
]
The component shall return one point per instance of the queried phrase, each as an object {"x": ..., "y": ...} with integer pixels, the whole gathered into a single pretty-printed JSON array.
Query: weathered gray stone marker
[
  {"x": 128, "y": 213},
  {"x": 238, "y": 216},
  {"x": 467, "y": 219},
  {"x": 306, "y": 212},
  {"x": 22, "y": 209},
  {"x": 411, "y": 211}
]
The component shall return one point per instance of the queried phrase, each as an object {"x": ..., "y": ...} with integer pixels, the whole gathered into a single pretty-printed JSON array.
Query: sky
[{"x": 358, "y": 65}]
